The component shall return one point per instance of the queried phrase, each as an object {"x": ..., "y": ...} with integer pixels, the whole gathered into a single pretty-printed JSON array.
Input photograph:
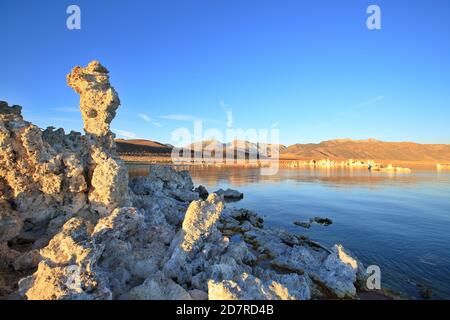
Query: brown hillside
[
  {"x": 140, "y": 146},
  {"x": 370, "y": 149},
  {"x": 340, "y": 149}
]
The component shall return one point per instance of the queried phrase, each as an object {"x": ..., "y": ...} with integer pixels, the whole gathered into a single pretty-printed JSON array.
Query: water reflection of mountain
[{"x": 338, "y": 177}]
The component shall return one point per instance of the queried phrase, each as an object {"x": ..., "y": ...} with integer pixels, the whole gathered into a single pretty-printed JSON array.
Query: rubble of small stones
[{"x": 73, "y": 226}]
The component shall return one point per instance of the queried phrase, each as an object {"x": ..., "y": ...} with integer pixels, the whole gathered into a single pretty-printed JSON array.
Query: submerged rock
[
  {"x": 322, "y": 221},
  {"x": 303, "y": 224},
  {"x": 318, "y": 220},
  {"x": 230, "y": 194}
]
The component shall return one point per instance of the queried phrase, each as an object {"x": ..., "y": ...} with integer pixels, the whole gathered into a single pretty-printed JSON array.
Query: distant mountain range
[
  {"x": 239, "y": 147},
  {"x": 370, "y": 149},
  {"x": 339, "y": 149}
]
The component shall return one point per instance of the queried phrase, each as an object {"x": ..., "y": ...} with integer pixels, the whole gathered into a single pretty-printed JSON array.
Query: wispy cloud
[
  {"x": 370, "y": 101},
  {"x": 148, "y": 119},
  {"x": 125, "y": 134},
  {"x": 187, "y": 118},
  {"x": 66, "y": 109},
  {"x": 228, "y": 113},
  {"x": 144, "y": 117},
  {"x": 62, "y": 119},
  {"x": 179, "y": 117}
]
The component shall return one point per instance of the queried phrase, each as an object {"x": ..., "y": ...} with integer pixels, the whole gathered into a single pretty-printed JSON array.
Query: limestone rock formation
[
  {"x": 47, "y": 177},
  {"x": 158, "y": 287},
  {"x": 69, "y": 268},
  {"x": 98, "y": 99},
  {"x": 98, "y": 104},
  {"x": 248, "y": 287},
  {"x": 37, "y": 184},
  {"x": 74, "y": 227}
]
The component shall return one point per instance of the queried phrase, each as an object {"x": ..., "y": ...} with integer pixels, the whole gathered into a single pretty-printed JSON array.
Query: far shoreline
[{"x": 283, "y": 162}]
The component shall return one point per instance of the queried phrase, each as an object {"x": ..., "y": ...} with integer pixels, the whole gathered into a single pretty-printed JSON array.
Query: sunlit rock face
[
  {"x": 98, "y": 99},
  {"x": 37, "y": 184},
  {"x": 69, "y": 267},
  {"x": 98, "y": 104},
  {"x": 72, "y": 222},
  {"x": 47, "y": 177}
]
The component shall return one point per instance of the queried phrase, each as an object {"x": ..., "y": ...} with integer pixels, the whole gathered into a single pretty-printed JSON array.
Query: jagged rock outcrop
[
  {"x": 47, "y": 177},
  {"x": 72, "y": 221},
  {"x": 37, "y": 185},
  {"x": 249, "y": 287},
  {"x": 337, "y": 271},
  {"x": 159, "y": 287},
  {"x": 98, "y": 99},
  {"x": 69, "y": 268},
  {"x": 198, "y": 240},
  {"x": 98, "y": 104}
]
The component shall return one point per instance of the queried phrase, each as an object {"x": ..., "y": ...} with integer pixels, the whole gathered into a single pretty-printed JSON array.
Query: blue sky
[{"x": 311, "y": 68}]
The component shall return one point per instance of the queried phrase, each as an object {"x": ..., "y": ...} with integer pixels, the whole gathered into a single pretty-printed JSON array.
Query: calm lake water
[{"x": 400, "y": 222}]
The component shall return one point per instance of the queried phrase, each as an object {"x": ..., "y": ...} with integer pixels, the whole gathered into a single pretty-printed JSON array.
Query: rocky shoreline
[{"x": 73, "y": 226}]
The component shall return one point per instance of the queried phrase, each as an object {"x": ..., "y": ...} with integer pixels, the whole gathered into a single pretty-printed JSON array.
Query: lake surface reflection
[{"x": 400, "y": 222}]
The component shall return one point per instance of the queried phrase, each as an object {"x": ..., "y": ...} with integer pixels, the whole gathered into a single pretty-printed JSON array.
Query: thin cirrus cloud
[
  {"x": 144, "y": 117},
  {"x": 148, "y": 119},
  {"x": 187, "y": 118},
  {"x": 179, "y": 117},
  {"x": 370, "y": 101},
  {"x": 64, "y": 119},
  {"x": 66, "y": 109},
  {"x": 125, "y": 134}
]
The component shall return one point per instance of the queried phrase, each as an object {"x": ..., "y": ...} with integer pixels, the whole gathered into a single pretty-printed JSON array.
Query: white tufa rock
[{"x": 93, "y": 234}]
